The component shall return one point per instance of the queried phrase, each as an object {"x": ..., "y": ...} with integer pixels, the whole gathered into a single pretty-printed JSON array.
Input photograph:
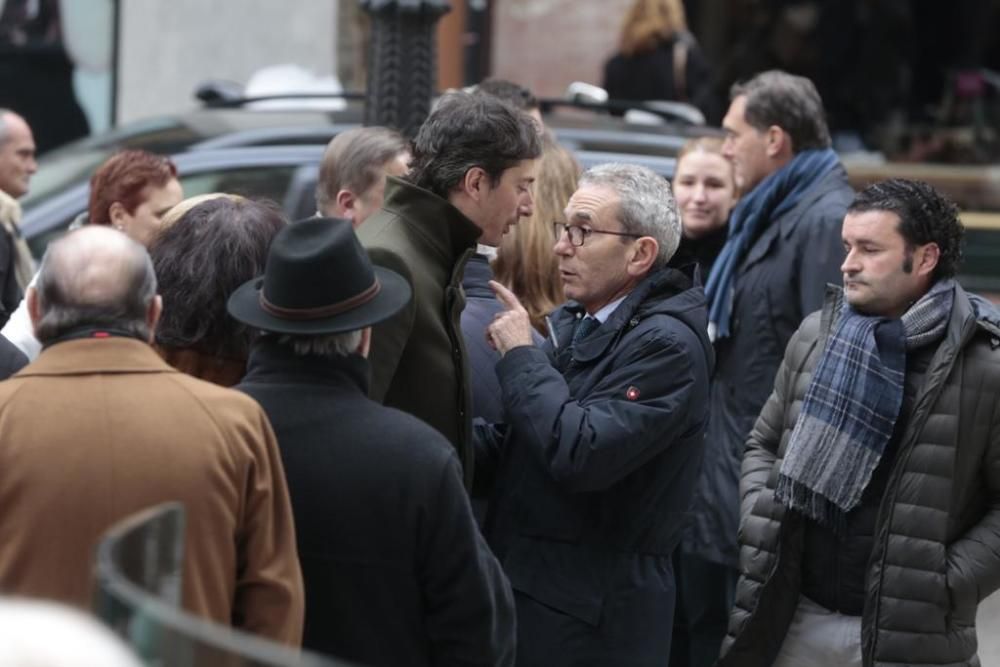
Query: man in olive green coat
[{"x": 470, "y": 179}]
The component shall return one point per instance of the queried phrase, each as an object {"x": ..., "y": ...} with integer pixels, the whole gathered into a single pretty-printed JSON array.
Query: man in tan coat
[{"x": 99, "y": 427}]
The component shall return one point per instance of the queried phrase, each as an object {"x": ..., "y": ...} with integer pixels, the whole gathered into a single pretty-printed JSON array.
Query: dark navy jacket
[
  {"x": 781, "y": 280},
  {"x": 481, "y": 306},
  {"x": 598, "y": 466}
]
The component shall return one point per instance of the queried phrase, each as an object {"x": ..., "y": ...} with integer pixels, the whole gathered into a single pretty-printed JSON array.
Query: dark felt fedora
[{"x": 318, "y": 280}]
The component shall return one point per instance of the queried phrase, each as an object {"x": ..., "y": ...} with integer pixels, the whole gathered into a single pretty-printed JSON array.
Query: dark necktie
[{"x": 584, "y": 328}]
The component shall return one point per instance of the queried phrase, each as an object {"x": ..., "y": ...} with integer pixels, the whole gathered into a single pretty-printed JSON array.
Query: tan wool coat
[{"x": 97, "y": 429}]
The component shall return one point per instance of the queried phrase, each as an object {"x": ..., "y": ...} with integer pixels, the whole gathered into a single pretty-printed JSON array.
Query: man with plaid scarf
[{"x": 870, "y": 487}]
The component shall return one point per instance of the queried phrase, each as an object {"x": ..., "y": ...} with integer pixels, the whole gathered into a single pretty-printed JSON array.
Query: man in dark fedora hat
[{"x": 395, "y": 570}]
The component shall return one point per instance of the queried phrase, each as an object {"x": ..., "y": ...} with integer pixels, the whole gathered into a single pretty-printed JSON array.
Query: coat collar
[
  {"x": 440, "y": 225},
  {"x": 272, "y": 363},
  {"x": 85, "y": 356},
  {"x": 666, "y": 290},
  {"x": 786, "y": 224}
]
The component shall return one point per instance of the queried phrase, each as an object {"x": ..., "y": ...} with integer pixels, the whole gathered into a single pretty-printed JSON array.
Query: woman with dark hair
[
  {"x": 200, "y": 260},
  {"x": 658, "y": 59}
]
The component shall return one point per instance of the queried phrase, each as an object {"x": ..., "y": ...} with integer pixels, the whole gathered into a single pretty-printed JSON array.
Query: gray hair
[
  {"x": 94, "y": 277},
  {"x": 788, "y": 101},
  {"x": 354, "y": 160},
  {"x": 327, "y": 346},
  {"x": 646, "y": 207}
]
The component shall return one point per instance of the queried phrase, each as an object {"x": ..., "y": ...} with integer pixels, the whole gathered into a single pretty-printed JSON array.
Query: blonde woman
[
  {"x": 705, "y": 189},
  {"x": 525, "y": 262}
]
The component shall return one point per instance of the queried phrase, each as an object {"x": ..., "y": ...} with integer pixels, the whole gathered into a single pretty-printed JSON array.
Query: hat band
[{"x": 320, "y": 311}]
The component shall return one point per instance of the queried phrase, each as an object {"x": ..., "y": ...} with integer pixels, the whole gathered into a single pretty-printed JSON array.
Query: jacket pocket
[
  {"x": 962, "y": 596},
  {"x": 559, "y": 575}
]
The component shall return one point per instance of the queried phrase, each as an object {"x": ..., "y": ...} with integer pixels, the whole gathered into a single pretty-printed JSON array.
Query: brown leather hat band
[{"x": 320, "y": 311}]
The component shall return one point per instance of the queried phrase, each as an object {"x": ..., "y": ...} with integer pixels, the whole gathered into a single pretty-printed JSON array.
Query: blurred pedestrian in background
[
  {"x": 17, "y": 166},
  {"x": 352, "y": 174},
  {"x": 658, "y": 59}
]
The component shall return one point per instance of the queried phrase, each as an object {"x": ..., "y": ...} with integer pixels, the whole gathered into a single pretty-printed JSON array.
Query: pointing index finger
[{"x": 505, "y": 296}]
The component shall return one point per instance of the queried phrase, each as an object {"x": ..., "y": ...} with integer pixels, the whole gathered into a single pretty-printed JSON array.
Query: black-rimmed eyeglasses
[{"x": 579, "y": 235}]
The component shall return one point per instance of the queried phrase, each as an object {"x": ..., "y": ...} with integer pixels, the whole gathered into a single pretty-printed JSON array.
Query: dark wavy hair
[
  {"x": 465, "y": 131},
  {"x": 925, "y": 216},
  {"x": 200, "y": 260}
]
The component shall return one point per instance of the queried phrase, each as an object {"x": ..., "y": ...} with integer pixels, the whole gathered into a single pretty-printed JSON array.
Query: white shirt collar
[{"x": 604, "y": 313}]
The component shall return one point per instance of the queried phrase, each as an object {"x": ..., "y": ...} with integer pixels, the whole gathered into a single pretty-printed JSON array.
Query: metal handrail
[{"x": 138, "y": 577}]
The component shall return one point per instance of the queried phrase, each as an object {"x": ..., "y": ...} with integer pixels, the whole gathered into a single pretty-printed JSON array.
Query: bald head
[{"x": 95, "y": 277}]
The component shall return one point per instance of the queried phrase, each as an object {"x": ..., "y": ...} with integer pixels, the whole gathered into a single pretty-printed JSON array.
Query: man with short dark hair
[
  {"x": 870, "y": 529},
  {"x": 783, "y": 248},
  {"x": 470, "y": 179},
  {"x": 353, "y": 171},
  {"x": 396, "y": 572},
  {"x": 593, "y": 471},
  {"x": 99, "y": 427}
]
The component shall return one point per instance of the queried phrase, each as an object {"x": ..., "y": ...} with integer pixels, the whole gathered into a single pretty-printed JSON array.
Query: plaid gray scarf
[{"x": 850, "y": 409}]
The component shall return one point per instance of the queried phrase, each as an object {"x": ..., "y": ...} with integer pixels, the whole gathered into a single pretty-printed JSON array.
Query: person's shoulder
[
  {"x": 12, "y": 359},
  {"x": 405, "y": 440},
  {"x": 222, "y": 404}
]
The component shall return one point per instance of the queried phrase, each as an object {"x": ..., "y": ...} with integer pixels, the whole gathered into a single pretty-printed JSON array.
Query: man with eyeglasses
[{"x": 592, "y": 473}]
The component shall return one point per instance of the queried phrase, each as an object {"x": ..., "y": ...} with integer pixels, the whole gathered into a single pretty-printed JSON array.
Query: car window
[
  {"x": 270, "y": 182},
  {"x": 57, "y": 173}
]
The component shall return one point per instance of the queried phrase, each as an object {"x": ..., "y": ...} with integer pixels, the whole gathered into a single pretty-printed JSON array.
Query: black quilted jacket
[{"x": 937, "y": 537}]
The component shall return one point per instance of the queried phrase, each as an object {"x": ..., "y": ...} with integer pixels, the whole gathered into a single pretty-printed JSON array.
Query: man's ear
[
  {"x": 153, "y": 316},
  {"x": 929, "y": 255},
  {"x": 365, "y": 346},
  {"x": 475, "y": 183},
  {"x": 34, "y": 309},
  {"x": 643, "y": 255},
  {"x": 778, "y": 143},
  {"x": 345, "y": 203}
]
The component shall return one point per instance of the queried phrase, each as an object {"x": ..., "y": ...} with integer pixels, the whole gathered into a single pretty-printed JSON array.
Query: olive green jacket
[{"x": 418, "y": 358}]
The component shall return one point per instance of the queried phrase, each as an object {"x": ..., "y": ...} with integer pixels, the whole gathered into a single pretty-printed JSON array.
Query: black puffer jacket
[{"x": 937, "y": 536}]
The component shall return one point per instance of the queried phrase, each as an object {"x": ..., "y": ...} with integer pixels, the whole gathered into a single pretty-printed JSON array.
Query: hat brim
[{"x": 244, "y": 305}]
